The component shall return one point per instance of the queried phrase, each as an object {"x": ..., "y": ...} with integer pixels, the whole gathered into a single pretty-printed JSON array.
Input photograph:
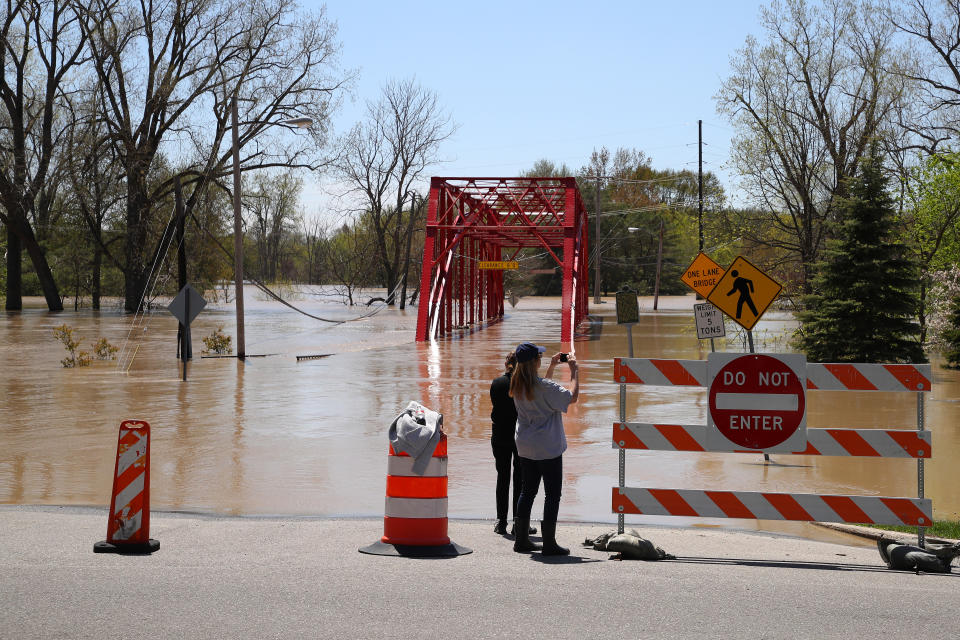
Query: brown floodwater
[{"x": 274, "y": 436}]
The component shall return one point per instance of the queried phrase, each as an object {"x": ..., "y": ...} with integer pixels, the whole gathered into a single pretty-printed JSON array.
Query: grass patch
[{"x": 940, "y": 529}]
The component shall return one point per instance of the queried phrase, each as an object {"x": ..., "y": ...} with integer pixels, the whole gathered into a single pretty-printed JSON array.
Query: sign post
[
  {"x": 758, "y": 401},
  {"x": 186, "y": 307},
  {"x": 628, "y": 313}
]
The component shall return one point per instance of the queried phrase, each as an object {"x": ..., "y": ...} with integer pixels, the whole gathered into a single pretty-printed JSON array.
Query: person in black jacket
[{"x": 503, "y": 442}]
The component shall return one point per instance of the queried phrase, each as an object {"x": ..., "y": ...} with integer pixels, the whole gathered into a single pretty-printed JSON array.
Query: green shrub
[
  {"x": 105, "y": 350},
  {"x": 64, "y": 334},
  {"x": 218, "y": 342}
]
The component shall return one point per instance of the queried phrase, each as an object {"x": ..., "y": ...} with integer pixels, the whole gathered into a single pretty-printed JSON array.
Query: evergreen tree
[
  {"x": 951, "y": 337},
  {"x": 863, "y": 306}
]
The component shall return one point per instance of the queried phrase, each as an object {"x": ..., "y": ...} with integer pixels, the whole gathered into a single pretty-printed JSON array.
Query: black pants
[
  {"x": 551, "y": 471},
  {"x": 506, "y": 459}
]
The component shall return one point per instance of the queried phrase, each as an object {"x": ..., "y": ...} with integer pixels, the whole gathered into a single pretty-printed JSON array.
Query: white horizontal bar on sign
[
  {"x": 797, "y": 507},
  {"x": 415, "y": 507},
  {"x": 758, "y": 401},
  {"x": 874, "y": 443},
  {"x": 826, "y": 376},
  {"x": 403, "y": 466},
  {"x": 662, "y": 372}
]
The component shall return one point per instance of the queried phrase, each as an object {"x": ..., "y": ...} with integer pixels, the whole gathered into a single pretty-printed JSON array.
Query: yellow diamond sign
[
  {"x": 744, "y": 293},
  {"x": 702, "y": 274}
]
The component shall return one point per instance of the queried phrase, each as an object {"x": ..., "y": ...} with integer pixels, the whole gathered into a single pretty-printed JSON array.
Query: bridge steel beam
[{"x": 480, "y": 219}]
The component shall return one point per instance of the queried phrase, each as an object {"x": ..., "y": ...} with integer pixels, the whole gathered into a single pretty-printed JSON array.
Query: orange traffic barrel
[
  {"x": 128, "y": 523},
  {"x": 415, "y": 509}
]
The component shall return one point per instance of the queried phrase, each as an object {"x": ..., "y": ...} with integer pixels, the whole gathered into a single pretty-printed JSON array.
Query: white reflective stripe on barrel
[
  {"x": 403, "y": 466},
  {"x": 416, "y": 507}
]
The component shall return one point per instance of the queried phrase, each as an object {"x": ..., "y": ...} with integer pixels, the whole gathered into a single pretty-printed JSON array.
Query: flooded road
[{"x": 277, "y": 436}]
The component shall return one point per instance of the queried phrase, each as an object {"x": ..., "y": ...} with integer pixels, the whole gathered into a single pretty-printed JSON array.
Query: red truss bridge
[{"x": 472, "y": 220}]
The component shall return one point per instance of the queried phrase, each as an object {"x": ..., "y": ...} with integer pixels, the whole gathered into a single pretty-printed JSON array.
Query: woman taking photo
[{"x": 540, "y": 441}]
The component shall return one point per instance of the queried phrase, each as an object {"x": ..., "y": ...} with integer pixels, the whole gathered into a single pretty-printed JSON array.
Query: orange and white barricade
[
  {"x": 415, "y": 510},
  {"x": 875, "y": 443},
  {"x": 128, "y": 523}
]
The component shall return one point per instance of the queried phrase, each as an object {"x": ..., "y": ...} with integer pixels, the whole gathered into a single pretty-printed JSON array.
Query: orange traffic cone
[
  {"x": 415, "y": 513},
  {"x": 128, "y": 523}
]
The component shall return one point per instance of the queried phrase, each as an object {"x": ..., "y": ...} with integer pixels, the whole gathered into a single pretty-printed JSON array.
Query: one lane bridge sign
[
  {"x": 744, "y": 293},
  {"x": 757, "y": 401},
  {"x": 702, "y": 274}
]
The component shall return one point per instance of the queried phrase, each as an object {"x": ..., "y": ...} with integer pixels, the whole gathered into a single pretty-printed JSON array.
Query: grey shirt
[{"x": 540, "y": 433}]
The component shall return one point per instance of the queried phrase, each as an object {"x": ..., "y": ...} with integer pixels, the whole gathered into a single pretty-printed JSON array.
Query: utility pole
[
  {"x": 596, "y": 243},
  {"x": 181, "y": 261},
  {"x": 237, "y": 235},
  {"x": 700, "y": 179},
  {"x": 406, "y": 261},
  {"x": 656, "y": 285}
]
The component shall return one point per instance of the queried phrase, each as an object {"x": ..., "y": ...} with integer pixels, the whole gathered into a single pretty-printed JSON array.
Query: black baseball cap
[{"x": 528, "y": 351}]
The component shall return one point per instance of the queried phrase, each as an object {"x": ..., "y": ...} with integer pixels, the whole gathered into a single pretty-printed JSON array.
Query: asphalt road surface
[{"x": 217, "y": 577}]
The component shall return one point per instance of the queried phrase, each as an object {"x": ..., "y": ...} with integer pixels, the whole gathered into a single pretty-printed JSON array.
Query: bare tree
[
  {"x": 273, "y": 204},
  {"x": 94, "y": 174},
  {"x": 314, "y": 244},
  {"x": 349, "y": 258},
  {"x": 807, "y": 104},
  {"x": 169, "y": 72},
  {"x": 934, "y": 31},
  {"x": 41, "y": 46},
  {"x": 383, "y": 156}
]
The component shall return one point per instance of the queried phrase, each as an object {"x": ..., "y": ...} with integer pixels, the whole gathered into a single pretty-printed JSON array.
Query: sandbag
[
  {"x": 630, "y": 545},
  {"x": 934, "y": 559}
]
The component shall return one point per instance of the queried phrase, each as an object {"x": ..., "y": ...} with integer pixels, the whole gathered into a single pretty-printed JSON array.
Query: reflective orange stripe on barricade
[{"x": 415, "y": 509}]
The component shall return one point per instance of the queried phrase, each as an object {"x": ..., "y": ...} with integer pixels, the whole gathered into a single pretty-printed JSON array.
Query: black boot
[
  {"x": 550, "y": 546},
  {"x": 530, "y": 531},
  {"x": 522, "y": 543},
  {"x": 500, "y": 528}
]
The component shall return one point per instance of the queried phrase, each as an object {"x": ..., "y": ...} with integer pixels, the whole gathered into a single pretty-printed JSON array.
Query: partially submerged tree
[
  {"x": 169, "y": 73},
  {"x": 273, "y": 203},
  {"x": 349, "y": 254},
  {"x": 42, "y": 44},
  {"x": 864, "y": 305},
  {"x": 383, "y": 156}
]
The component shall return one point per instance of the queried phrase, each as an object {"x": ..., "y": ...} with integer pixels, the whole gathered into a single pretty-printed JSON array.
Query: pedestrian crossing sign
[{"x": 744, "y": 293}]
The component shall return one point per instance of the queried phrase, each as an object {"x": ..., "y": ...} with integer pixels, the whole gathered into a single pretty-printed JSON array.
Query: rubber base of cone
[
  {"x": 137, "y": 549},
  {"x": 414, "y": 551}
]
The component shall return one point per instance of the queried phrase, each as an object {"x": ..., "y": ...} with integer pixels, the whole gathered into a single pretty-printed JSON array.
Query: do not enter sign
[{"x": 758, "y": 401}]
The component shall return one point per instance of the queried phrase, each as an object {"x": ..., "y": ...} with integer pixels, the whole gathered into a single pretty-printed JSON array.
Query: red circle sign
[{"x": 757, "y": 401}]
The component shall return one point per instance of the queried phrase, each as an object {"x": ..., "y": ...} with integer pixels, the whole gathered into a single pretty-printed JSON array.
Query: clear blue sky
[{"x": 530, "y": 80}]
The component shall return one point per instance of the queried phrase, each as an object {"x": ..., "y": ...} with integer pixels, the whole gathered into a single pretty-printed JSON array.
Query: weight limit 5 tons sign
[{"x": 758, "y": 401}]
